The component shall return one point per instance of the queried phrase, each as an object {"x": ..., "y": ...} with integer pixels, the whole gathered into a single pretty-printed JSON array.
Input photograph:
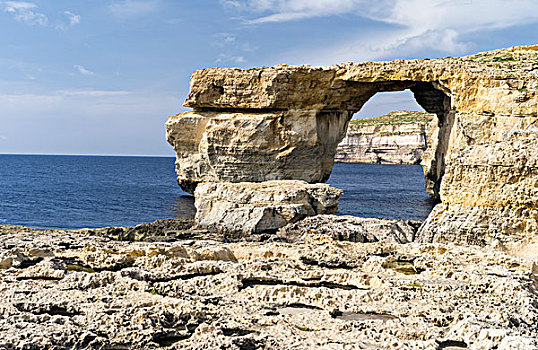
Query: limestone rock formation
[
  {"x": 70, "y": 290},
  {"x": 247, "y": 207},
  {"x": 254, "y": 146},
  {"x": 353, "y": 229},
  {"x": 285, "y": 122},
  {"x": 396, "y": 138}
]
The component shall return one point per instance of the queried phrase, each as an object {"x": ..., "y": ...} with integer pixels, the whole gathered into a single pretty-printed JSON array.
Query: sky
[{"x": 102, "y": 76}]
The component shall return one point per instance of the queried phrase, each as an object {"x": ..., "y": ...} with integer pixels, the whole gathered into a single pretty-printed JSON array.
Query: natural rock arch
[
  {"x": 285, "y": 123},
  {"x": 330, "y": 128}
]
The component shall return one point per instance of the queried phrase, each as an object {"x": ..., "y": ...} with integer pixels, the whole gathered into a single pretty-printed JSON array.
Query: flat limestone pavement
[{"x": 63, "y": 290}]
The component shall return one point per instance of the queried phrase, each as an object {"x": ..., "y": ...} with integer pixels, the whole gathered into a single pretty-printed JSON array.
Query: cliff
[
  {"x": 285, "y": 122},
  {"x": 396, "y": 138}
]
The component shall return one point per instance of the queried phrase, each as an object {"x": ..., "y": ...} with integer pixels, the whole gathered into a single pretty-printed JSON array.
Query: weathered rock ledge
[{"x": 64, "y": 290}]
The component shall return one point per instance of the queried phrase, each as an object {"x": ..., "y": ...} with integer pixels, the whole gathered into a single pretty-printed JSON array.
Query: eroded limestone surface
[
  {"x": 254, "y": 146},
  {"x": 250, "y": 208},
  {"x": 73, "y": 290},
  {"x": 284, "y": 122},
  {"x": 354, "y": 229}
]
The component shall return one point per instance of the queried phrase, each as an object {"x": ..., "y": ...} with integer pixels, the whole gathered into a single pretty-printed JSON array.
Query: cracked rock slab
[{"x": 354, "y": 229}]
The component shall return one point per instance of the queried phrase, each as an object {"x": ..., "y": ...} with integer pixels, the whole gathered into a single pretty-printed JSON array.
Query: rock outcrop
[
  {"x": 70, "y": 290},
  {"x": 396, "y": 138},
  {"x": 252, "y": 208},
  {"x": 224, "y": 146},
  {"x": 353, "y": 229},
  {"x": 285, "y": 123}
]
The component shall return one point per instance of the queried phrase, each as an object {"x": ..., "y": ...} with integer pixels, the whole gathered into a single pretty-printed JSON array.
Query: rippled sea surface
[
  {"x": 88, "y": 191},
  {"x": 379, "y": 190},
  {"x": 91, "y": 191}
]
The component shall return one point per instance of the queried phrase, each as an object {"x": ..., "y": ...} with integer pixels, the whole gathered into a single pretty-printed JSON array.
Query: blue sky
[{"x": 101, "y": 76}]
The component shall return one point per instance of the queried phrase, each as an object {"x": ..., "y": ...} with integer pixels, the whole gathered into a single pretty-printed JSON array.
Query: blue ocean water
[
  {"x": 382, "y": 190},
  {"x": 89, "y": 191},
  {"x": 72, "y": 192}
]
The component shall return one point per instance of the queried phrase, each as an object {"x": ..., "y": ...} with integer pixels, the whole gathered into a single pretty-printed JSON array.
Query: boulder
[{"x": 248, "y": 207}]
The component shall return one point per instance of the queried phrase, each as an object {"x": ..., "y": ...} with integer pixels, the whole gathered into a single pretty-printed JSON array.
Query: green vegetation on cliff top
[{"x": 395, "y": 118}]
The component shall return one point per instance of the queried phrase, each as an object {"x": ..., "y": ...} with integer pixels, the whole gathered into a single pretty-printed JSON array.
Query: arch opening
[{"x": 405, "y": 188}]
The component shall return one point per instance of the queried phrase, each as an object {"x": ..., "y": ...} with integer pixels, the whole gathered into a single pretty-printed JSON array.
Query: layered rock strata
[
  {"x": 254, "y": 146},
  {"x": 65, "y": 290},
  {"x": 252, "y": 208},
  {"x": 285, "y": 122},
  {"x": 396, "y": 138}
]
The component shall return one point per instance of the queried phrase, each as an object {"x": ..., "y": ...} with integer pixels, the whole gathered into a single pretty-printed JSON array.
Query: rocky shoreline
[
  {"x": 170, "y": 286},
  {"x": 286, "y": 122}
]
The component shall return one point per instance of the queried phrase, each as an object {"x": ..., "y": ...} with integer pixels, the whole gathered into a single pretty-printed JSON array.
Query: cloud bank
[{"x": 414, "y": 25}]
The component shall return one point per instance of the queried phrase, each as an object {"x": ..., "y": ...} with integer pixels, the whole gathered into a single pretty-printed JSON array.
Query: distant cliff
[{"x": 396, "y": 138}]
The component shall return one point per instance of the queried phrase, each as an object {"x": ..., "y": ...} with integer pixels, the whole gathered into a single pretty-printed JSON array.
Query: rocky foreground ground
[{"x": 299, "y": 289}]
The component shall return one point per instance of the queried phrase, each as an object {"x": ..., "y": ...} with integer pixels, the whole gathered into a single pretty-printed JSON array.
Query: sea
[{"x": 72, "y": 192}]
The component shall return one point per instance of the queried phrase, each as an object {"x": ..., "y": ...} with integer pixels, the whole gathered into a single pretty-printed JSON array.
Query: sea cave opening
[{"x": 378, "y": 163}]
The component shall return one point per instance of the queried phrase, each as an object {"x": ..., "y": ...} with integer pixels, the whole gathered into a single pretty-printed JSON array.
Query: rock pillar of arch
[{"x": 285, "y": 122}]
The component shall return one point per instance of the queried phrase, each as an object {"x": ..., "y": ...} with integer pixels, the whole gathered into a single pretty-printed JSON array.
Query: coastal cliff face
[
  {"x": 397, "y": 138},
  {"x": 285, "y": 123}
]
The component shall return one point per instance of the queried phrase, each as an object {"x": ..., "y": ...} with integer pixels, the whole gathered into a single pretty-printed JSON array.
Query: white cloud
[
  {"x": 28, "y": 99},
  {"x": 82, "y": 70},
  {"x": 233, "y": 48},
  {"x": 286, "y": 10},
  {"x": 24, "y": 12},
  {"x": 73, "y": 19},
  {"x": 226, "y": 58},
  {"x": 231, "y": 3},
  {"x": 57, "y": 96},
  {"x": 414, "y": 25},
  {"x": 223, "y": 39},
  {"x": 131, "y": 8},
  {"x": 27, "y": 12}
]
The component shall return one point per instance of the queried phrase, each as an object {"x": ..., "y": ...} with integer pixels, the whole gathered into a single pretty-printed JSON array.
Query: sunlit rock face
[
  {"x": 255, "y": 146},
  {"x": 261, "y": 207},
  {"x": 400, "y": 137},
  {"x": 285, "y": 122}
]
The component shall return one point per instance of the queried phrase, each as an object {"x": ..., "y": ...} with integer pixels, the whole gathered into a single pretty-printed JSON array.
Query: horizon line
[{"x": 86, "y": 155}]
